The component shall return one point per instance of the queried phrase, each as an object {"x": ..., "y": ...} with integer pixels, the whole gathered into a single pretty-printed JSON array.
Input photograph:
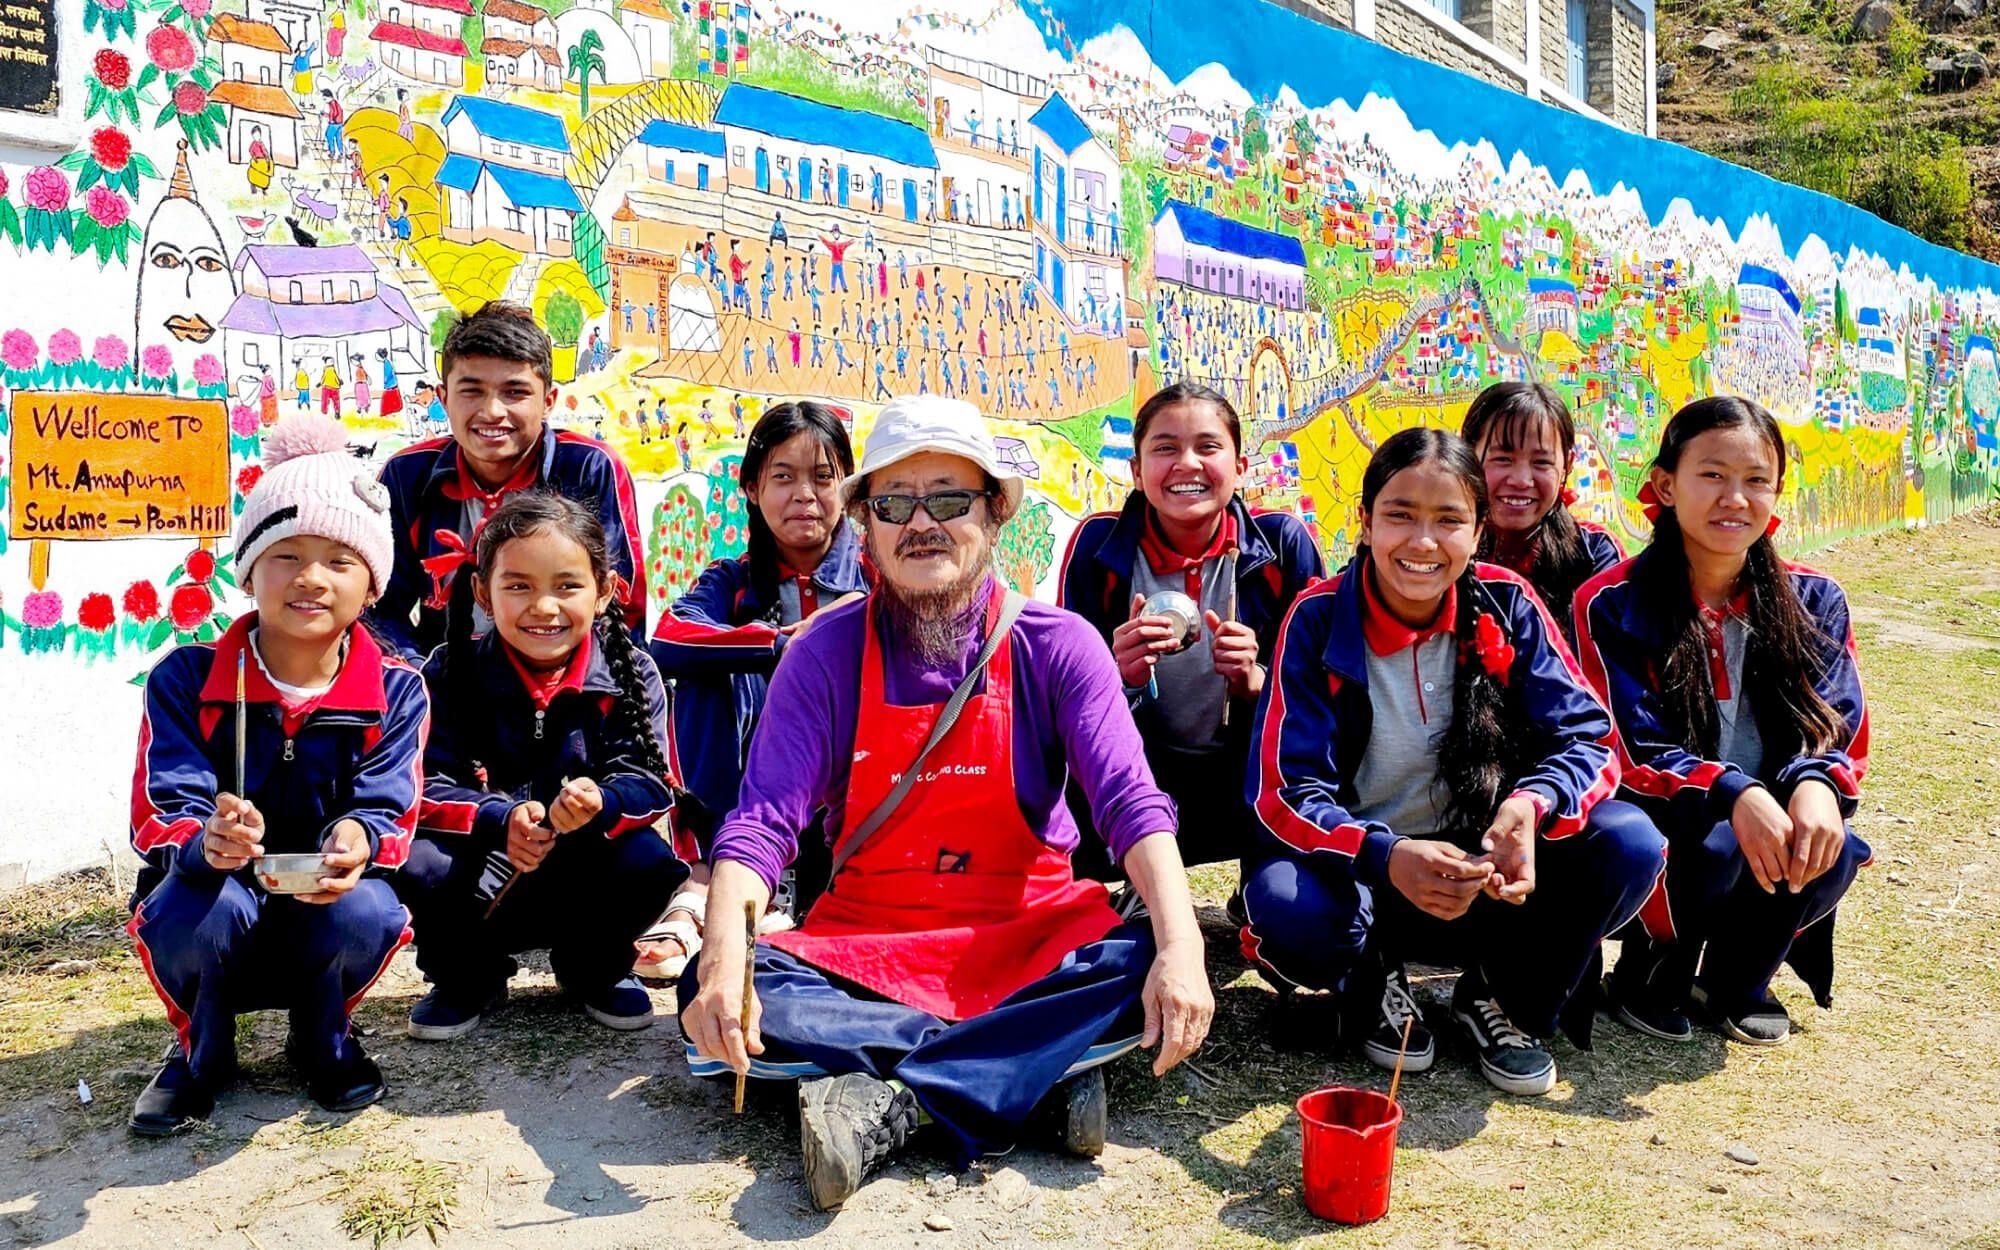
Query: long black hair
[
  {"x": 523, "y": 514},
  {"x": 780, "y": 424},
  {"x": 1781, "y": 661},
  {"x": 1481, "y": 750},
  {"x": 1502, "y": 417}
]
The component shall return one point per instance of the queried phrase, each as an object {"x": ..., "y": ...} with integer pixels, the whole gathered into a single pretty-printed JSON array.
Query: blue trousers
[
  {"x": 584, "y": 904},
  {"x": 215, "y": 945},
  {"x": 978, "y": 1078},
  {"x": 1720, "y": 915},
  {"x": 1311, "y": 922}
]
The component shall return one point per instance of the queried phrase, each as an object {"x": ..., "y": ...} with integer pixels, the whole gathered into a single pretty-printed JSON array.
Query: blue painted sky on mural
[{"x": 1265, "y": 48}]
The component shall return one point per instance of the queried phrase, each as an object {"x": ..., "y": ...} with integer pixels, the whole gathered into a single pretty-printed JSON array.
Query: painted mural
[{"x": 282, "y": 205}]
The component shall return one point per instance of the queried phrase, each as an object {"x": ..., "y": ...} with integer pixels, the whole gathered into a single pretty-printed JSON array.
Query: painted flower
[
  {"x": 190, "y": 606},
  {"x": 41, "y": 609},
  {"x": 65, "y": 348},
  {"x": 247, "y": 478},
  {"x": 96, "y": 612},
  {"x": 110, "y": 147},
  {"x": 156, "y": 361},
  {"x": 116, "y": 6},
  {"x": 106, "y": 207},
  {"x": 112, "y": 68},
  {"x": 207, "y": 370},
  {"x": 48, "y": 190},
  {"x": 18, "y": 350},
  {"x": 190, "y": 97},
  {"x": 110, "y": 352},
  {"x": 200, "y": 565},
  {"x": 3, "y": 184},
  {"x": 142, "y": 602},
  {"x": 196, "y": 9},
  {"x": 170, "y": 48},
  {"x": 243, "y": 420}
]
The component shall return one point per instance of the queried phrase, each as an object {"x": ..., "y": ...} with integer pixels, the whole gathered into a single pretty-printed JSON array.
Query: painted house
[
  {"x": 520, "y": 46},
  {"x": 255, "y": 64},
  {"x": 978, "y": 113},
  {"x": 503, "y": 177},
  {"x": 790, "y": 146},
  {"x": 254, "y": 52},
  {"x": 300, "y": 23},
  {"x": 1196, "y": 248},
  {"x": 1552, "y": 305},
  {"x": 1770, "y": 311},
  {"x": 1876, "y": 350},
  {"x": 420, "y": 55},
  {"x": 305, "y": 303},
  {"x": 1074, "y": 180},
  {"x": 650, "y": 26},
  {"x": 685, "y": 156},
  {"x": 433, "y": 17}
]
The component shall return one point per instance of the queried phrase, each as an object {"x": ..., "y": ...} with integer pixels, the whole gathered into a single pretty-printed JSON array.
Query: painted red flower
[
  {"x": 96, "y": 612},
  {"x": 191, "y": 606},
  {"x": 111, "y": 148},
  {"x": 112, "y": 68},
  {"x": 190, "y": 98},
  {"x": 142, "y": 602},
  {"x": 170, "y": 48},
  {"x": 247, "y": 478},
  {"x": 200, "y": 565}
]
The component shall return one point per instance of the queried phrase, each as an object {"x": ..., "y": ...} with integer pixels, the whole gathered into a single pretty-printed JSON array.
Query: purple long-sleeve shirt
[{"x": 1070, "y": 717}]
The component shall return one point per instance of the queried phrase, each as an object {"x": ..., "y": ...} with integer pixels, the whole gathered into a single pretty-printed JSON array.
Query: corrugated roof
[
  {"x": 510, "y": 123},
  {"x": 666, "y": 134},
  {"x": 228, "y": 28},
  {"x": 256, "y": 97},
  {"x": 411, "y": 37},
  {"x": 1059, "y": 122},
  {"x": 525, "y": 188},
  {"x": 1205, "y": 229},
  {"x": 808, "y": 121}
]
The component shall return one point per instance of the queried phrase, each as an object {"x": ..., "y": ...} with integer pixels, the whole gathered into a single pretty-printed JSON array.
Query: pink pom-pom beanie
[{"x": 312, "y": 485}]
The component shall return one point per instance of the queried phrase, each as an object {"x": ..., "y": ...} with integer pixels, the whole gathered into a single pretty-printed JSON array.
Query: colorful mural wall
[{"x": 281, "y": 205}]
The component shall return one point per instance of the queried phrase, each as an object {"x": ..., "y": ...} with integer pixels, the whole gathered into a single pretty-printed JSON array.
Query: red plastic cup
[{"x": 1350, "y": 1147}]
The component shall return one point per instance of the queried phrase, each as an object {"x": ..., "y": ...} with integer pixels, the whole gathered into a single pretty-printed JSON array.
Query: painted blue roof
[
  {"x": 1059, "y": 122},
  {"x": 1203, "y": 228},
  {"x": 1975, "y": 342},
  {"x": 525, "y": 188},
  {"x": 510, "y": 123},
  {"x": 808, "y": 121},
  {"x": 666, "y": 134},
  {"x": 1869, "y": 316},
  {"x": 1758, "y": 275},
  {"x": 1550, "y": 286}
]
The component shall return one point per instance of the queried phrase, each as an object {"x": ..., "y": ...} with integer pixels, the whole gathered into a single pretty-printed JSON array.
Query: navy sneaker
[
  {"x": 446, "y": 1014},
  {"x": 624, "y": 1005},
  {"x": 1764, "y": 1023}
]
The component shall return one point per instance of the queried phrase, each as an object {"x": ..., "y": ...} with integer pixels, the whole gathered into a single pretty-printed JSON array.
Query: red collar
[
  {"x": 543, "y": 688},
  {"x": 465, "y": 486},
  {"x": 1738, "y": 605},
  {"x": 1386, "y": 635},
  {"x": 808, "y": 589},
  {"x": 357, "y": 688},
  {"x": 1164, "y": 558}
]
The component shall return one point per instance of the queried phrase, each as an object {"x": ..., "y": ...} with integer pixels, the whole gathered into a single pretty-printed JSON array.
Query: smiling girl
[
  {"x": 543, "y": 782},
  {"x": 1434, "y": 768},
  {"x": 1731, "y": 676},
  {"x": 1525, "y": 439},
  {"x": 1185, "y": 529}
]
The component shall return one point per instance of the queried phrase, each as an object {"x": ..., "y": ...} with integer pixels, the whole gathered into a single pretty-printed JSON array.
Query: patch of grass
[{"x": 389, "y": 1196}]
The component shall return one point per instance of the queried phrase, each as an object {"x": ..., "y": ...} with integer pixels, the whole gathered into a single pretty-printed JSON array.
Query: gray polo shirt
[
  {"x": 1188, "y": 713},
  {"x": 1409, "y": 697}
]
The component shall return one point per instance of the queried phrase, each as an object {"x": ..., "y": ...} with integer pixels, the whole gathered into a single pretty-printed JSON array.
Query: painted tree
[
  {"x": 1026, "y": 548},
  {"x": 677, "y": 545},
  {"x": 1304, "y": 135},
  {"x": 728, "y": 523},
  {"x": 586, "y": 57}
]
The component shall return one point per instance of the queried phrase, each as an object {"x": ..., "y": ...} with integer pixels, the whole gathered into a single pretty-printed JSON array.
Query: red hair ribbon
[
  {"x": 1568, "y": 497},
  {"x": 1771, "y": 526},
  {"x": 1496, "y": 654},
  {"x": 1649, "y": 500},
  {"x": 443, "y": 567}
]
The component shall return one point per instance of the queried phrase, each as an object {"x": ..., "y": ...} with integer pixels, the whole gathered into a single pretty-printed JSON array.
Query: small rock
[
  {"x": 1743, "y": 1155},
  {"x": 593, "y": 1195},
  {"x": 1717, "y": 1187},
  {"x": 70, "y": 967},
  {"x": 1010, "y": 1188},
  {"x": 1658, "y": 1139},
  {"x": 1517, "y": 1185},
  {"x": 1873, "y": 19},
  {"x": 938, "y": 1222},
  {"x": 1664, "y": 76},
  {"x": 1557, "y": 1142},
  {"x": 941, "y": 1183},
  {"x": 1715, "y": 42}
]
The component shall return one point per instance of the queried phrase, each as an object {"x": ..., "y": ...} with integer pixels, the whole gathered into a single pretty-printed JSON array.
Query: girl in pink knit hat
[{"x": 290, "y": 735}]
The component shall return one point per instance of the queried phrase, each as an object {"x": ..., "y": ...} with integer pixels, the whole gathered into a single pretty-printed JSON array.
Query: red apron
[{"x": 954, "y": 903}]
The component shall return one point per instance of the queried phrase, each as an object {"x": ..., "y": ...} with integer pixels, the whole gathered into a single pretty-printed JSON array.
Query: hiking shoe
[
  {"x": 1385, "y": 1040},
  {"x": 446, "y": 1014},
  {"x": 848, "y": 1126},
  {"x": 1087, "y": 1117},
  {"x": 174, "y": 1101},
  {"x": 1512, "y": 1061},
  {"x": 1764, "y": 1023},
  {"x": 623, "y": 1005}
]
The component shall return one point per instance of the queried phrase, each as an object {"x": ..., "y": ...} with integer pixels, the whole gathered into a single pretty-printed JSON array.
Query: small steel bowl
[
  {"x": 289, "y": 874},
  {"x": 1183, "y": 612}
]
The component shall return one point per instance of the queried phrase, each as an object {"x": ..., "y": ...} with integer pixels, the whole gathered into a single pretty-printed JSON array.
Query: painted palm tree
[{"x": 586, "y": 56}]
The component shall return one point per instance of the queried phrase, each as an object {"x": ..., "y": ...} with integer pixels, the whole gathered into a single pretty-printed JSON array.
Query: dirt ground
[{"x": 1878, "y": 1126}]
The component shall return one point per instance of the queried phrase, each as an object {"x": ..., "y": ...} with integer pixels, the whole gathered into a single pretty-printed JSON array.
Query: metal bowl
[
  {"x": 289, "y": 874},
  {"x": 1184, "y": 614}
]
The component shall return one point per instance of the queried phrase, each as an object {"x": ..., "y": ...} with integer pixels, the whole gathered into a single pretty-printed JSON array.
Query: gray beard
[{"x": 935, "y": 623}]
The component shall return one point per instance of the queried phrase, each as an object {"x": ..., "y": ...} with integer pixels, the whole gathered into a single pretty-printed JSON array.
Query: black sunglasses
[{"x": 943, "y": 505}]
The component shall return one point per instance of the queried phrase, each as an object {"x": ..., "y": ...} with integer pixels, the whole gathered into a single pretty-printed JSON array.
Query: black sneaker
[
  {"x": 1234, "y": 909},
  {"x": 848, "y": 1126},
  {"x": 173, "y": 1101},
  {"x": 1087, "y": 1113},
  {"x": 1385, "y": 1040},
  {"x": 445, "y": 1015},
  {"x": 624, "y": 1005},
  {"x": 1512, "y": 1061},
  {"x": 345, "y": 1084},
  {"x": 1765, "y": 1023}
]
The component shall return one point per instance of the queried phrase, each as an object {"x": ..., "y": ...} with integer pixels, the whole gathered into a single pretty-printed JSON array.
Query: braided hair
[
  {"x": 523, "y": 514},
  {"x": 1782, "y": 659},
  {"x": 1486, "y": 745},
  {"x": 1500, "y": 419}
]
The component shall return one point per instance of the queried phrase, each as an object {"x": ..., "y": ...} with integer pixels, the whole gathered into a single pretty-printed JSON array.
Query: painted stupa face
[{"x": 185, "y": 284}]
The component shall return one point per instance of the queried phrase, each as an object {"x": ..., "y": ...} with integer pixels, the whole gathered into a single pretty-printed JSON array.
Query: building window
[
  {"x": 1447, "y": 7},
  {"x": 252, "y": 355},
  {"x": 514, "y": 220},
  {"x": 298, "y": 292},
  {"x": 1576, "y": 48}
]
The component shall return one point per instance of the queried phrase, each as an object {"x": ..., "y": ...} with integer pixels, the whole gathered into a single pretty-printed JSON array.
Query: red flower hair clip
[
  {"x": 1649, "y": 501},
  {"x": 1496, "y": 654},
  {"x": 1568, "y": 497}
]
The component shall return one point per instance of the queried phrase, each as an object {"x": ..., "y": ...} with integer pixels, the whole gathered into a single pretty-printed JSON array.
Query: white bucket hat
[{"x": 910, "y": 425}]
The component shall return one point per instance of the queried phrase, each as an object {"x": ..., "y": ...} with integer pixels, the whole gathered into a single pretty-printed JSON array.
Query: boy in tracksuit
[
  {"x": 498, "y": 392},
  {"x": 332, "y": 762}
]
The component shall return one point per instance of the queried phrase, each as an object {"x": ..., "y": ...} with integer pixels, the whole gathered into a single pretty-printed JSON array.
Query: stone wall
[
  {"x": 1503, "y": 23},
  {"x": 1628, "y": 67},
  {"x": 1397, "y": 27}
]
